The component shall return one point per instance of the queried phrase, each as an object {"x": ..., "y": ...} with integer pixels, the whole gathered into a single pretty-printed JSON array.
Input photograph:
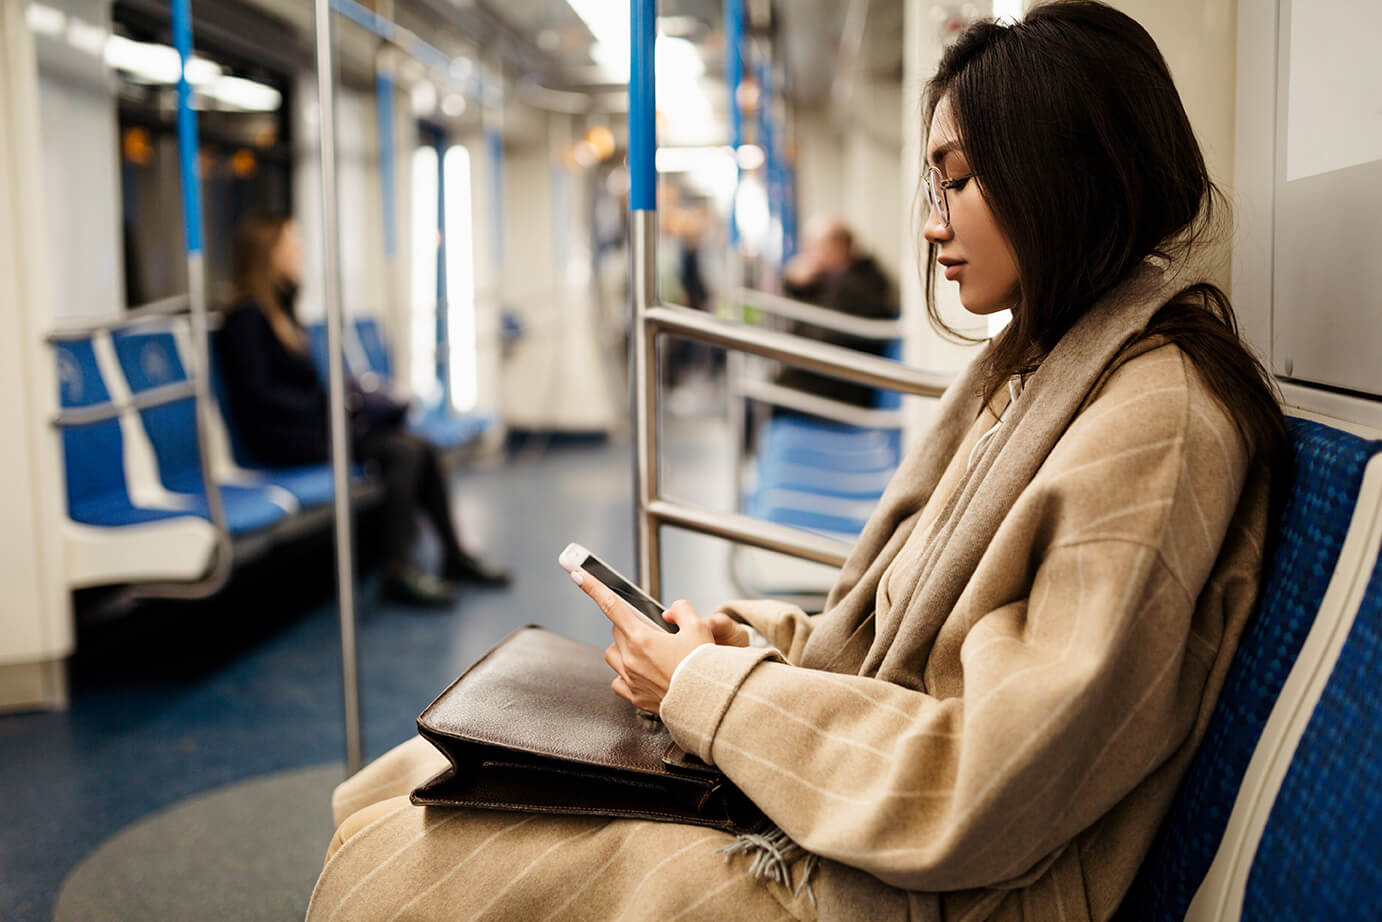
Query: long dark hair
[
  {"x": 253, "y": 279},
  {"x": 1077, "y": 137}
]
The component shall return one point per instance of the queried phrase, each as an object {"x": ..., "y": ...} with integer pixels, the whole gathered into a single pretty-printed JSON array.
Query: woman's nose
[{"x": 935, "y": 230}]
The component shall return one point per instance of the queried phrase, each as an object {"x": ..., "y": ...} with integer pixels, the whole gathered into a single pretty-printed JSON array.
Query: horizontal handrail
[
  {"x": 745, "y": 530},
  {"x": 823, "y": 358},
  {"x": 154, "y": 310},
  {"x": 816, "y": 405},
  {"x": 153, "y": 397},
  {"x": 814, "y": 314}
]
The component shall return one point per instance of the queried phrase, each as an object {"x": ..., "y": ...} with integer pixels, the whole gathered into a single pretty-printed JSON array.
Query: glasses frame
[{"x": 936, "y": 188}]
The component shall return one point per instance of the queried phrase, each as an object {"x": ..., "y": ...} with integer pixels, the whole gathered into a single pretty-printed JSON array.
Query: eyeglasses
[{"x": 936, "y": 188}]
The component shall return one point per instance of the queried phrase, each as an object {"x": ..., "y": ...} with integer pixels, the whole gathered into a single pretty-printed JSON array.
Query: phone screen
[{"x": 625, "y": 590}]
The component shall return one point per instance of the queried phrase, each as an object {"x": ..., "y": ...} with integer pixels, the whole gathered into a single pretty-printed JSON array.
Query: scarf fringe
[{"x": 773, "y": 853}]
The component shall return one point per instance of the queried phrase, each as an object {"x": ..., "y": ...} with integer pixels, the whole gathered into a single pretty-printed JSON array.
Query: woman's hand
[{"x": 643, "y": 655}]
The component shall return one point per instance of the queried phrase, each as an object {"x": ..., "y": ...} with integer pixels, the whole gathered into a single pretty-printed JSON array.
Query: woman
[
  {"x": 279, "y": 407},
  {"x": 1022, "y": 652}
]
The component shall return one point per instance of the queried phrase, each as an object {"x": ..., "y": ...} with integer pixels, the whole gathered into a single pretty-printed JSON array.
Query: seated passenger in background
[
  {"x": 278, "y": 405},
  {"x": 1022, "y": 652},
  {"x": 832, "y": 273}
]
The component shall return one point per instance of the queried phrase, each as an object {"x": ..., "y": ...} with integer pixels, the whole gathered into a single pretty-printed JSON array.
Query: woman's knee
[{"x": 362, "y": 818}]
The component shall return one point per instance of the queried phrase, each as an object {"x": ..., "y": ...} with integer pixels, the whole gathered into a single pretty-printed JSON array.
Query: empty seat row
[{"x": 138, "y": 507}]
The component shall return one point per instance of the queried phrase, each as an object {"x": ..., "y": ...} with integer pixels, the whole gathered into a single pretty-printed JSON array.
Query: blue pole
[
  {"x": 734, "y": 75},
  {"x": 642, "y": 107},
  {"x": 188, "y": 144},
  {"x": 384, "y": 96}
]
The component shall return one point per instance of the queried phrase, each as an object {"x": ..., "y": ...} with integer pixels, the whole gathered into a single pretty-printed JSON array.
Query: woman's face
[
  {"x": 972, "y": 249},
  {"x": 285, "y": 259}
]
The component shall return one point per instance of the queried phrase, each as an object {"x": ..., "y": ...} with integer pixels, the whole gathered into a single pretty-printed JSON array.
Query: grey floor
[{"x": 189, "y": 779}]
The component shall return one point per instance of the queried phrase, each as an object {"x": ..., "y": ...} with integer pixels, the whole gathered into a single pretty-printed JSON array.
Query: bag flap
[{"x": 548, "y": 695}]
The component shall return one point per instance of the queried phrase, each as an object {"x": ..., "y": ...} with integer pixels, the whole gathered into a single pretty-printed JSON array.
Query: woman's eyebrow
[{"x": 940, "y": 152}]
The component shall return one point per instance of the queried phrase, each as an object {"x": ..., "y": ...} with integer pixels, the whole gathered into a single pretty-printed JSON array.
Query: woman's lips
[{"x": 952, "y": 270}]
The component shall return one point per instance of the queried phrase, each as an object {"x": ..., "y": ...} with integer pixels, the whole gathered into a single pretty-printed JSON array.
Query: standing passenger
[
  {"x": 278, "y": 405},
  {"x": 1024, "y": 648}
]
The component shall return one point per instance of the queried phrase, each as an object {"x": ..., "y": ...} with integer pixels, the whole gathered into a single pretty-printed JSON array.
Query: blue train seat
[
  {"x": 150, "y": 361},
  {"x": 111, "y": 537},
  {"x": 1319, "y": 855},
  {"x": 437, "y": 424},
  {"x": 823, "y": 475},
  {"x": 311, "y": 485},
  {"x": 375, "y": 349}
]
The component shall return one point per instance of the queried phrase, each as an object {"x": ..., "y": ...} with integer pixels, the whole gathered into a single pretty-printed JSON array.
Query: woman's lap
[{"x": 429, "y": 863}]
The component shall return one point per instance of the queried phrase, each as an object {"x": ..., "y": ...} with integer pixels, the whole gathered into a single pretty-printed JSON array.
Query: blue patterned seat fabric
[
  {"x": 1329, "y": 471},
  {"x": 1320, "y": 856}
]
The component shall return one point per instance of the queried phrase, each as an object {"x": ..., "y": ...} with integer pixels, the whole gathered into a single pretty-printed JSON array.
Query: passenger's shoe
[
  {"x": 411, "y": 586},
  {"x": 467, "y": 568}
]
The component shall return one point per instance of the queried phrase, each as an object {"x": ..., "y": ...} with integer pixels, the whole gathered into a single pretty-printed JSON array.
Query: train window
[
  {"x": 460, "y": 279},
  {"x": 245, "y": 158},
  {"x": 443, "y": 275}
]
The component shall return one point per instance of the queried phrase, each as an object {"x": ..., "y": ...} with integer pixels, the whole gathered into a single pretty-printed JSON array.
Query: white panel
[
  {"x": 78, "y": 136},
  {"x": 1327, "y": 279},
  {"x": 35, "y": 618},
  {"x": 1334, "y": 94}
]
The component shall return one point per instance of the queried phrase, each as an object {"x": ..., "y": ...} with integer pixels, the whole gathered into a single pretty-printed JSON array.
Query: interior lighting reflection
[
  {"x": 44, "y": 20},
  {"x": 751, "y": 157}
]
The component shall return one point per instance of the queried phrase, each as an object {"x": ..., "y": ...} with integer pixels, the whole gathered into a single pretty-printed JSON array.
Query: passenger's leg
[
  {"x": 399, "y": 460},
  {"x": 428, "y": 863},
  {"x": 394, "y": 773}
]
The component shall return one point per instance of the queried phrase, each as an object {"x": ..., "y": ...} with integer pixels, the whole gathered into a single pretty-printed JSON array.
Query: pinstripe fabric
[{"x": 1005, "y": 755}]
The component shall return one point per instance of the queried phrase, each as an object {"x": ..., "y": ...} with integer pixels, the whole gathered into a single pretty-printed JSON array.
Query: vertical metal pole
[
  {"x": 643, "y": 255},
  {"x": 335, "y": 340},
  {"x": 734, "y": 74},
  {"x": 735, "y": 361},
  {"x": 188, "y": 148}
]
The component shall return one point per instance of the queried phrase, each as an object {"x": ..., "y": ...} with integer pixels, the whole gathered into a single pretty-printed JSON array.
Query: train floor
[{"x": 191, "y": 776}]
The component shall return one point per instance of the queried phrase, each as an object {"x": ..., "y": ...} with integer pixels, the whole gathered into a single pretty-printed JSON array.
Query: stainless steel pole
[
  {"x": 335, "y": 341},
  {"x": 643, "y": 255},
  {"x": 646, "y": 419}
]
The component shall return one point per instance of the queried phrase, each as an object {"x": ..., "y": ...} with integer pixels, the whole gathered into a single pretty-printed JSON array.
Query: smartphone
[{"x": 576, "y": 557}]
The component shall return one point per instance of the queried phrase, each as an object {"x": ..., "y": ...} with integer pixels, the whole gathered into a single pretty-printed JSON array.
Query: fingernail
[{"x": 576, "y": 577}]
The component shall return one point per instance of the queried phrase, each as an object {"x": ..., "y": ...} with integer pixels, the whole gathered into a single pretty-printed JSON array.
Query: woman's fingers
[
  {"x": 681, "y": 613},
  {"x": 614, "y": 608}
]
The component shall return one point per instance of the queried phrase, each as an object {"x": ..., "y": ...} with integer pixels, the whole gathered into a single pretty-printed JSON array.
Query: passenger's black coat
[
  {"x": 277, "y": 402},
  {"x": 862, "y": 290}
]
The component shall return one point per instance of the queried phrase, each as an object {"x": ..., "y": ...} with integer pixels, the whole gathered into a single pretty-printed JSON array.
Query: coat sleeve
[
  {"x": 785, "y": 627},
  {"x": 1071, "y": 694}
]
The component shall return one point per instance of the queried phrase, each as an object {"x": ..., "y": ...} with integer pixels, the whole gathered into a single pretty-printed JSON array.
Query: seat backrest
[
  {"x": 1329, "y": 469},
  {"x": 1320, "y": 854},
  {"x": 93, "y": 453},
  {"x": 885, "y": 399},
  {"x": 316, "y": 344},
  {"x": 150, "y": 360},
  {"x": 222, "y": 399},
  {"x": 376, "y": 350}
]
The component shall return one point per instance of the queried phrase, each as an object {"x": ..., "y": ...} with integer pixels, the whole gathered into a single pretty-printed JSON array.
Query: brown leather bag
[{"x": 534, "y": 727}]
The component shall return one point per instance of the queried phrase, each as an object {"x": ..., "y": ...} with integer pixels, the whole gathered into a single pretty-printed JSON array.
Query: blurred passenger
[
  {"x": 1022, "y": 652},
  {"x": 279, "y": 407},
  {"x": 831, "y": 272}
]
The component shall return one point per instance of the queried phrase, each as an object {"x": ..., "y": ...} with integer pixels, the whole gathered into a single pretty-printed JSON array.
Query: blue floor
[{"x": 182, "y": 699}]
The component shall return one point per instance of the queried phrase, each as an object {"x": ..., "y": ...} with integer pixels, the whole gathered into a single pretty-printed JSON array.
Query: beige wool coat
[{"x": 1004, "y": 753}]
